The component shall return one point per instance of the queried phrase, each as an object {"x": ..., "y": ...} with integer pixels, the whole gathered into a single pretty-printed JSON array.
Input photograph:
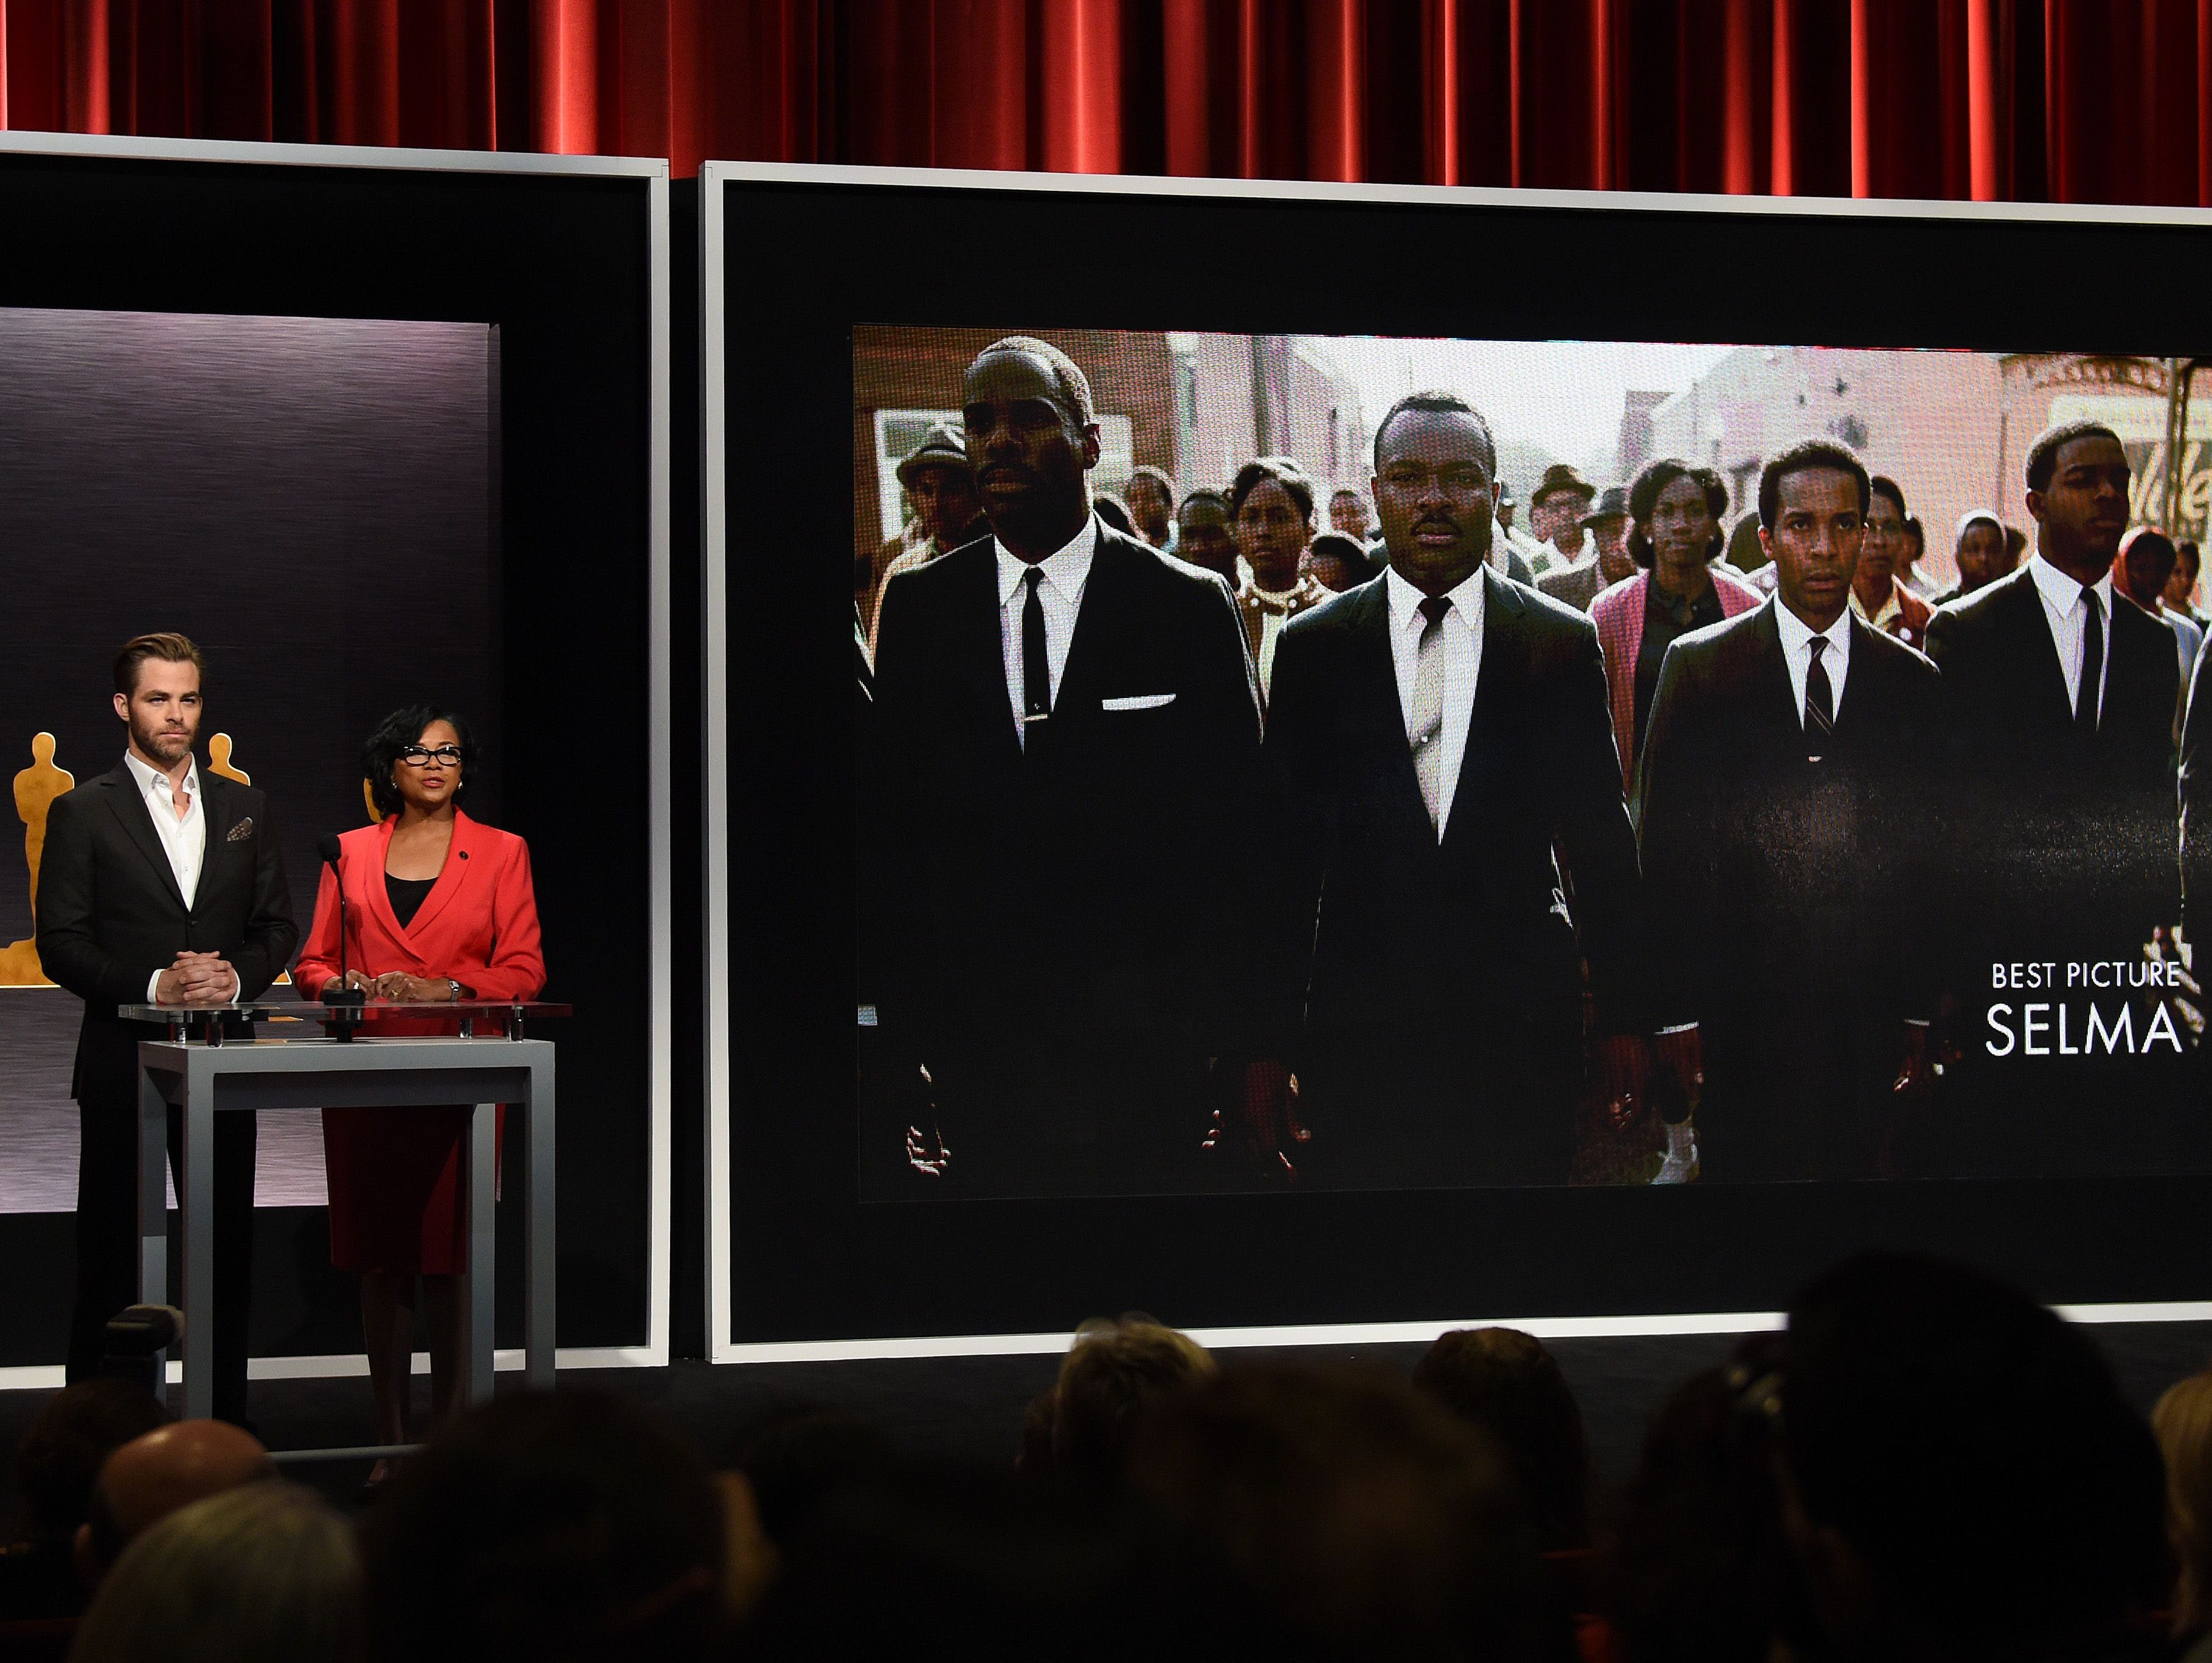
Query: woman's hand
[
  {"x": 403, "y": 989},
  {"x": 351, "y": 979}
]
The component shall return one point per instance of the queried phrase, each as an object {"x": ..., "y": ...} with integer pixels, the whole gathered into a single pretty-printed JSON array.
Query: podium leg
[
  {"x": 195, "y": 1199},
  {"x": 478, "y": 1290},
  {"x": 154, "y": 1205},
  {"x": 537, "y": 1245}
]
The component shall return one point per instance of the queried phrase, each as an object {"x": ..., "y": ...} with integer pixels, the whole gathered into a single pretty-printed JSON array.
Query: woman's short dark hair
[
  {"x": 403, "y": 727},
  {"x": 1284, "y": 471},
  {"x": 1652, "y": 484}
]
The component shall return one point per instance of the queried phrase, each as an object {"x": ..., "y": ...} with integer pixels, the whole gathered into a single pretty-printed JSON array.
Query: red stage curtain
[{"x": 2101, "y": 101}]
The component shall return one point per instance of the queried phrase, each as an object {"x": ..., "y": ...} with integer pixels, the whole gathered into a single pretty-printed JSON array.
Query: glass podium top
[{"x": 313, "y": 1010}]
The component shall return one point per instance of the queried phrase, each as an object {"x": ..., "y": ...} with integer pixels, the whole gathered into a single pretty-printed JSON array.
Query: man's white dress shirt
[
  {"x": 2068, "y": 613},
  {"x": 1061, "y": 595},
  {"x": 1462, "y": 642},
  {"x": 183, "y": 837},
  {"x": 1797, "y": 653}
]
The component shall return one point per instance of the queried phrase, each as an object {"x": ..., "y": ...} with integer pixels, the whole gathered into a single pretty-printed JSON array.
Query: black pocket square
[{"x": 241, "y": 831}]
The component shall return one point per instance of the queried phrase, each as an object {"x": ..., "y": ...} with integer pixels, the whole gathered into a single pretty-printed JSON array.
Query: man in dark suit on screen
[
  {"x": 1067, "y": 724},
  {"x": 1419, "y": 958},
  {"x": 2059, "y": 700},
  {"x": 1784, "y": 818},
  {"x": 160, "y": 885}
]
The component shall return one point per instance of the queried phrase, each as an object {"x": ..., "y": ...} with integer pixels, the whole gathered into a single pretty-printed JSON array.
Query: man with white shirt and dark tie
[
  {"x": 1420, "y": 951},
  {"x": 1786, "y": 820},
  {"x": 2059, "y": 740},
  {"x": 160, "y": 885},
  {"x": 1067, "y": 723}
]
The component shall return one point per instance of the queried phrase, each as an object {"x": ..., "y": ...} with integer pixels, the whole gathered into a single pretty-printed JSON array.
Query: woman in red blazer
[{"x": 438, "y": 907}]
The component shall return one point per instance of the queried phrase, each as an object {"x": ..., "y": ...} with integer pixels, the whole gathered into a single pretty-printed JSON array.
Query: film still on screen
[{"x": 1291, "y": 762}]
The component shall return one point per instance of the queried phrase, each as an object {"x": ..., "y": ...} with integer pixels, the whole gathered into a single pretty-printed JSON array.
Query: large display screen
[{"x": 1313, "y": 756}]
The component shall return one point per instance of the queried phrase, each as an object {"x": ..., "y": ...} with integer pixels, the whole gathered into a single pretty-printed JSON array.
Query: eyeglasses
[{"x": 419, "y": 757}]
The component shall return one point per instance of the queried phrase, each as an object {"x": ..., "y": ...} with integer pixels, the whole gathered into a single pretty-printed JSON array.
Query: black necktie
[
  {"x": 1820, "y": 703},
  {"x": 1036, "y": 660},
  {"x": 2092, "y": 664}
]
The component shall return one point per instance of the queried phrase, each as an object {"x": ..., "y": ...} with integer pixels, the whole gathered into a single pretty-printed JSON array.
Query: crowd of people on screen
[
  {"x": 1471, "y": 850},
  {"x": 1925, "y": 1464}
]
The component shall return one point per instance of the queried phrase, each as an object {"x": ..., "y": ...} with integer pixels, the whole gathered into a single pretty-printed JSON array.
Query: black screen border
[{"x": 798, "y": 1267}]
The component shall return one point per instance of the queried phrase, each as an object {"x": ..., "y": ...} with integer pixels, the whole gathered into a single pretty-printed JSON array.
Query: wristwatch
[{"x": 455, "y": 987}]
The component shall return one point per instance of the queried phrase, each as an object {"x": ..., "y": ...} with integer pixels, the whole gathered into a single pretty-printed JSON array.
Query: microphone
[{"x": 345, "y": 993}]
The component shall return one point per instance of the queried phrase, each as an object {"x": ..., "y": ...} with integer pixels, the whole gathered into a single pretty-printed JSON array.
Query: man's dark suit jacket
[
  {"x": 1783, "y": 893},
  {"x": 2063, "y": 851},
  {"x": 110, "y": 914},
  {"x": 1053, "y": 932},
  {"x": 1430, "y": 992}
]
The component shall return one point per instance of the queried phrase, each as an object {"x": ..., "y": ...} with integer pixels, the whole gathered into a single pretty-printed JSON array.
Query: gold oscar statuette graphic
[
  {"x": 219, "y": 749},
  {"x": 36, "y": 787}
]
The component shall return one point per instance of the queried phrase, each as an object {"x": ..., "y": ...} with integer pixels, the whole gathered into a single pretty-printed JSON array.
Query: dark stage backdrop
[
  {"x": 315, "y": 502},
  {"x": 556, "y": 267}
]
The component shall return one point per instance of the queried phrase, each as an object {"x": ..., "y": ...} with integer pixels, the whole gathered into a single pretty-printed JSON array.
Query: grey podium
[{"x": 204, "y": 1074}]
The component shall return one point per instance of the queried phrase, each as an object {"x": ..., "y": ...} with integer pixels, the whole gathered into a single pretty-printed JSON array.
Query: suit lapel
[
  {"x": 2033, "y": 623},
  {"x": 1097, "y": 625},
  {"x": 469, "y": 838},
  {"x": 984, "y": 660},
  {"x": 1773, "y": 696},
  {"x": 1379, "y": 720},
  {"x": 1500, "y": 687},
  {"x": 137, "y": 823},
  {"x": 375, "y": 896}
]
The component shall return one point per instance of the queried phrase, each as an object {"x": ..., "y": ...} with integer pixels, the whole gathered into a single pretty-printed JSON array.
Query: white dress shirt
[
  {"x": 1797, "y": 653},
  {"x": 2068, "y": 617},
  {"x": 1061, "y": 595},
  {"x": 1462, "y": 650},
  {"x": 183, "y": 837}
]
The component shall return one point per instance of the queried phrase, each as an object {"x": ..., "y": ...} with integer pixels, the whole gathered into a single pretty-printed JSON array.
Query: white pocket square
[{"x": 1138, "y": 702}]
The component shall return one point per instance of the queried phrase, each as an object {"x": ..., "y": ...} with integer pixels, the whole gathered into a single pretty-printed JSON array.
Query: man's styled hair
[
  {"x": 379, "y": 752},
  {"x": 165, "y": 645},
  {"x": 1284, "y": 471},
  {"x": 1975, "y": 1451},
  {"x": 2042, "y": 455},
  {"x": 1803, "y": 457},
  {"x": 1435, "y": 402},
  {"x": 1506, "y": 1383},
  {"x": 1883, "y": 485},
  {"x": 1074, "y": 386},
  {"x": 1113, "y": 1374}
]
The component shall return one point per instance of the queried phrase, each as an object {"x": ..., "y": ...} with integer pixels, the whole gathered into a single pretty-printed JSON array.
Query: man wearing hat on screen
[
  {"x": 1513, "y": 554},
  {"x": 1556, "y": 508},
  {"x": 946, "y": 511},
  {"x": 1606, "y": 559}
]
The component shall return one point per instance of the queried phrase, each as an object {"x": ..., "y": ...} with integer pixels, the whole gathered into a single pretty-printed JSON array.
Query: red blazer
[
  {"x": 479, "y": 925},
  {"x": 1618, "y": 615}
]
